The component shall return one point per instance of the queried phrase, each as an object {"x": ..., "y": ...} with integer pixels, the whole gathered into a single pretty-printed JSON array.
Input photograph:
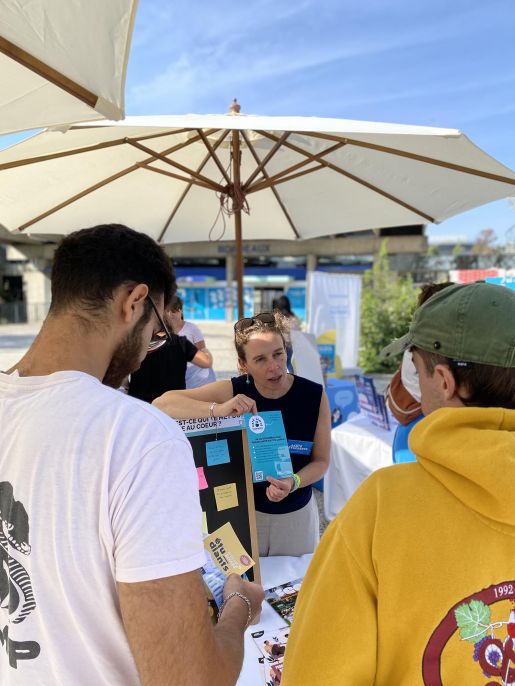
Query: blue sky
[{"x": 440, "y": 63}]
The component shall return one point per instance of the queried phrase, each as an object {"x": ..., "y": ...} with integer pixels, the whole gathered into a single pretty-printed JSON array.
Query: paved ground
[{"x": 16, "y": 338}]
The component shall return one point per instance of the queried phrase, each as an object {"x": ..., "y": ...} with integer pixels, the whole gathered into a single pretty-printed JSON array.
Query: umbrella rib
[
  {"x": 187, "y": 190},
  {"x": 265, "y": 184},
  {"x": 414, "y": 156},
  {"x": 262, "y": 163},
  {"x": 57, "y": 155},
  {"x": 181, "y": 167},
  {"x": 52, "y": 75},
  {"x": 186, "y": 179},
  {"x": 78, "y": 196},
  {"x": 314, "y": 158},
  {"x": 98, "y": 146},
  {"x": 143, "y": 164},
  {"x": 214, "y": 157},
  {"x": 339, "y": 170},
  {"x": 274, "y": 190}
]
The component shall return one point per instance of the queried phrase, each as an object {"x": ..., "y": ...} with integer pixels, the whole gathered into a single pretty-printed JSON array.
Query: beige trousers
[{"x": 295, "y": 533}]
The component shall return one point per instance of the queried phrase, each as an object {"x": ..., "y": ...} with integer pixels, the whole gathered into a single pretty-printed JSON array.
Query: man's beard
[{"x": 126, "y": 358}]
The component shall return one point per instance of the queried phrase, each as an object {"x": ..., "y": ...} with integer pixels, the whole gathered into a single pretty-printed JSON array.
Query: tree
[
  {"x": 485, "y": 243},
  {"x": 387, "y": 305}
]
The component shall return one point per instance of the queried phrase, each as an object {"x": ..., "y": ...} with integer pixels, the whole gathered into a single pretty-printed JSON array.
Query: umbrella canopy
[
  {"x": 62, "y": 62},
  {"x": 293, "y": 177}
]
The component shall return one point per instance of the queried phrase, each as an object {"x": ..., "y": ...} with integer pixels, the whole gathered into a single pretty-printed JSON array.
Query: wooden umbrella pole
[{"x": 236, "y": 161}]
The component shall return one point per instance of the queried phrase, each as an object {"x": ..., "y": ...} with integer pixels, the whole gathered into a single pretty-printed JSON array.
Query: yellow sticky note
[
  {"x": 204, "y": 523},
  {"x": 226, "y": 497}
]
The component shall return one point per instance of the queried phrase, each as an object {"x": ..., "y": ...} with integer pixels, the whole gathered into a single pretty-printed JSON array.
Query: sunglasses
[
  {"x": 158, "y": 339},
  {"x": 245, "y": 322}
]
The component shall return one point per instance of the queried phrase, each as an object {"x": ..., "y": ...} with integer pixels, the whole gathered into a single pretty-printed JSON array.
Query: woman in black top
[
  {"x": 287, "y": 518},
  {"x": 164, "y": 368}
]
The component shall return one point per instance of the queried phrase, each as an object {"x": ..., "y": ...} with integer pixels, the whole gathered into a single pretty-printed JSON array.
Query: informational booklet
[
  {"x": 283, "y": 598},
  {"x": 371, "y": 402},
  {"x": 225, "y": 555},
  {"x": 272, "y": 646},
  {"x": 273, "y": 673},
  {"x": 271, "y": 643},
  {"x": 268, "y": 446},
  {"x": 226, "y": 551}
]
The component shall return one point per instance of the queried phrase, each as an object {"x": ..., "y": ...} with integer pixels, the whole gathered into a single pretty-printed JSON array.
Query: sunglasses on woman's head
[{"x": 245, "y": 322}]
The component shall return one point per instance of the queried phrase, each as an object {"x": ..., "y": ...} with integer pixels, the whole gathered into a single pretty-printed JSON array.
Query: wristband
[
  {"x": 211, "y": 408},
  {"x": 296, "y": 482},
  {"x": 244, "y": 598}
]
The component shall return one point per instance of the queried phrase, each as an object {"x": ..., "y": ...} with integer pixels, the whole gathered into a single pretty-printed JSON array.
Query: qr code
[{"x": 259, "y": 476}]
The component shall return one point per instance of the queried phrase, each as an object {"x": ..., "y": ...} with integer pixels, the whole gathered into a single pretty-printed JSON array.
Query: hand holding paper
[{"x": 278, "y": 489}]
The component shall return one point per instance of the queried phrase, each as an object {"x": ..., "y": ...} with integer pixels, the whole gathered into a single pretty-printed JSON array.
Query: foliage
[
  {"x": 387, "y": 305},
  {"x": 473, "y": 620},
  {"x": 485, "y": 243}
]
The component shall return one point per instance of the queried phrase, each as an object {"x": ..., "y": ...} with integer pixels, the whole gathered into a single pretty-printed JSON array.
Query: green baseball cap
[{"x": 467, "y": 322}]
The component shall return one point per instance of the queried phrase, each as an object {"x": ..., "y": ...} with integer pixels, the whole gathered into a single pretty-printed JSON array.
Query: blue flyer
[{"x": 268, "y": 446}]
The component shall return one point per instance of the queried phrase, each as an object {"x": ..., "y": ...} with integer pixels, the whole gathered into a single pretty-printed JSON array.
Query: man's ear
[
  {"x": 446, "y": 382},
  {"x": 132, "y": 301}
]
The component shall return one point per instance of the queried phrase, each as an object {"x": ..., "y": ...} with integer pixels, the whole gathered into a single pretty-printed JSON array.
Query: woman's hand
[
  {"x": 279, "y": 488},
  {"x": 235, "y": 407}
]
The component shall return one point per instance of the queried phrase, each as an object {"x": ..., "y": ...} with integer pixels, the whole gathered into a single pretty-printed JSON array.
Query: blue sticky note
[{"x": 217, "y": 452}]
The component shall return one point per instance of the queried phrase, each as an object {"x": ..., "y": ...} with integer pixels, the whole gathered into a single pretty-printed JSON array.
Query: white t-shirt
[
  {"x": 95, "y": 488},
  {"x": 196, "y": 376}
]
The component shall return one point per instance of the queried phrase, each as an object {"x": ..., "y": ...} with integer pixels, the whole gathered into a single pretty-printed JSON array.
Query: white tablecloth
[
  {"x": 358, "y": 447},
  {"x": 274, "y": 571}
]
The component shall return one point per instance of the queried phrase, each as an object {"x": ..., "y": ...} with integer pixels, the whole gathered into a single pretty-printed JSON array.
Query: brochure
[
  {"x": 327, "y": 352},
  {"x": 214, "y": 580},
  {"x": 273, "y": 673},
  {"x": 283, "y": 598},
  {"x": 268, "y": 446},
  {"x": 271, "y": 643},
  {"x": 372, "y": 403},
  {"x": 226, "y": 551}
]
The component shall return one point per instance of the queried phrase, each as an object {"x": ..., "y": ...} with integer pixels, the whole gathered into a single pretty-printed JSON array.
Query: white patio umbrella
[
  {"x": 294, "y": 177},
  {"x": 62, "y": 61}
]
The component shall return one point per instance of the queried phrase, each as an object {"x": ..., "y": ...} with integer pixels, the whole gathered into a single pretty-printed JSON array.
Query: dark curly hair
[{"x": 90, "y": 264}]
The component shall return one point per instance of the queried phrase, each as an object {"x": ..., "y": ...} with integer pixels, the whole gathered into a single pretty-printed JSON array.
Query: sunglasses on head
[
  {"x": 163, "y": 335},
  {"x": 245, "y": 322}
]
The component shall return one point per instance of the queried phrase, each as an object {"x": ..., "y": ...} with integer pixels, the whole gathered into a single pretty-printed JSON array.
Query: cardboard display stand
[{"x": 234, "y": 468}]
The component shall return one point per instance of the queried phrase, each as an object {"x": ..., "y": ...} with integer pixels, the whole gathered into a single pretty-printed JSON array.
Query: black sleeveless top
[
  {"x": 163, "y": 369},
  {"x": 299, "y": 407}
]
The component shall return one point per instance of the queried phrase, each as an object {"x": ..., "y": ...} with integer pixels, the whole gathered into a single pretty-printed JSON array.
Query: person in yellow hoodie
[{"x": 414, "y": 581}]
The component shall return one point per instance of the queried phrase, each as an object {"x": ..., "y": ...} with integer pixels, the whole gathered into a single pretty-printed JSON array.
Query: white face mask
[{"x": 409, "y": 376}]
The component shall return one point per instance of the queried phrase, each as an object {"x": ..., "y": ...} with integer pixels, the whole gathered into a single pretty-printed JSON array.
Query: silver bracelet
[
  {"x": 211, "y": 408},
  {"x": 244, "y": 598}
]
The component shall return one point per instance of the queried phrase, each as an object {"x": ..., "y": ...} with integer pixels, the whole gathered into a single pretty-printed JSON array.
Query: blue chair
[{"x": 400, "y": 451}]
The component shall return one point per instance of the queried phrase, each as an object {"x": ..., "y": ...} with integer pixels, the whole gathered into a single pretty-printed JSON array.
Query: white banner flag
[{"x": 334, "y": 318}]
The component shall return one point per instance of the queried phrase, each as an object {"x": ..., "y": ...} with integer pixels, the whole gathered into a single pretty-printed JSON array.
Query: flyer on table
[{"x": 268, "y": 446}]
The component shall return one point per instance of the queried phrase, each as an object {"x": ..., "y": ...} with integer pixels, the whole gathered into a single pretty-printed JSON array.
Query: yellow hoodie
[{"x": 414, "y": 581}]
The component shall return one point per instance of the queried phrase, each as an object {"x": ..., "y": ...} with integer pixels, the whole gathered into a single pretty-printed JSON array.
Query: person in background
[
  {"x": 164, "y": 368},
  {"x": 101, "y": 541},
  {"x": 286, "y": 510},
  {"x": 412, "y": 582},
  {"x": 195, "y": 375},
  {"x": 403, "y": 392},
  {"x": 283, "y": 306}
]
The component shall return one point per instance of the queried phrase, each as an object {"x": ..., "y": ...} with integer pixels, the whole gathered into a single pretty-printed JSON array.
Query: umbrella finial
[{"x": 235, "y": 106}]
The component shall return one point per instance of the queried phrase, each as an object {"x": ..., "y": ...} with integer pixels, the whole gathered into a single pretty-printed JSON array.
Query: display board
[{"x": 221, "y": 454}]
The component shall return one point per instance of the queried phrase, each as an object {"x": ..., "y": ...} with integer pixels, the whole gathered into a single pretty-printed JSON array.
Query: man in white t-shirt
[{"x": 100, "y": 536}]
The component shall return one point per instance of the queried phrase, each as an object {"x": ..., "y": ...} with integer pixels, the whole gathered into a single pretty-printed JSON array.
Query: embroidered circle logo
[
  {"x": 486, "y": 622},
  {"x": 257, "y": 424}
]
